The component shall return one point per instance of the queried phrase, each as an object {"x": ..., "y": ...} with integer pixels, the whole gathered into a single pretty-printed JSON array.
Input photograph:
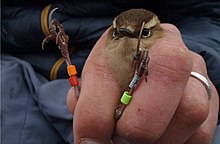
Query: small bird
[{"x": 131, "y": 35}]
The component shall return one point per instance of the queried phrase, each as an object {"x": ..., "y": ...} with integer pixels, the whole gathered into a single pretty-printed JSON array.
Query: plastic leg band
[{"x": 126, "y": 98}]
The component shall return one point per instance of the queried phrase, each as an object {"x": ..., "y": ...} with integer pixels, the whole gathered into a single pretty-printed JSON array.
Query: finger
[
  {"x": 205, "y": 132},
  {"x": 94, "y": 114},
  {"x": 192, "y": 110},
  {"x": 154, "y": 103},
  {"x": 71, "y": 99}
]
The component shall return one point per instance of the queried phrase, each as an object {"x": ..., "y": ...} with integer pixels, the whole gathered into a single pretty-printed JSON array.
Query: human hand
[{"x": 171, "y": 108}]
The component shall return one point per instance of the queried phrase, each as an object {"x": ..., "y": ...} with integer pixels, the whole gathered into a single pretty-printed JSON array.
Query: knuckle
[
  {"x": 198, "y": 58},
  {"x": 93, "y": 119},
  {"x": 205, "y": 136},
  {"x": 173, "y": 59},
  {"x": 137, "y": 133},
  {"x": 171, "y": 28},
  {"x": 174, "y": 63},
  {"x": 201, "y": 136},
  {"x": 92, "y": 115},
  {"x": 195, "y": 113},
  {"x": 199, "y": 63}
]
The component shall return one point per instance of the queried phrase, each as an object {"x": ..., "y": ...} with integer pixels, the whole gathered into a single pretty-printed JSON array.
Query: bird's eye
[
  {"x": 115, "y": 34},
  {"x": 146, "y": 33}
]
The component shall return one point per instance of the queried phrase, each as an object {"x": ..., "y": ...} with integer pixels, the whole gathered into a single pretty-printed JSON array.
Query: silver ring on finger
[{"x": 204, "y": 81}]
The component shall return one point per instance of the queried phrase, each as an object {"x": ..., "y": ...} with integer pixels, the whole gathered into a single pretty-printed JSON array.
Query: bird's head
[{"x": 131, "y": 22}]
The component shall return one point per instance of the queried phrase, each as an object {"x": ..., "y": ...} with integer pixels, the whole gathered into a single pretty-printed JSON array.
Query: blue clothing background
[{"x": 33, "y": 108}]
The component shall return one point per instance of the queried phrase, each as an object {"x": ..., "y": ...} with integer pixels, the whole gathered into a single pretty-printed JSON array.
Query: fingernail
[{"x": 89, "y": 141}]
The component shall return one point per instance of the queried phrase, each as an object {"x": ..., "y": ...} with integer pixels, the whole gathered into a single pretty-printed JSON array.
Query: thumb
[{"x": 94, "y": 113}]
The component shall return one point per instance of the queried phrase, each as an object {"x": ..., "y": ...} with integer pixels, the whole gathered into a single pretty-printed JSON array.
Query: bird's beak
[{"x": 125, "y": 32}]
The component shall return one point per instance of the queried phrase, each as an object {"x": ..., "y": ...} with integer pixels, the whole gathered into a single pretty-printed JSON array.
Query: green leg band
[{"x": 126, "y": 98}]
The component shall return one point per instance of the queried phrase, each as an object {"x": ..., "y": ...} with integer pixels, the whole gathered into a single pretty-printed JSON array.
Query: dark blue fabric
[
  {"x": 216, "y": 138},
  {"x": 198, "y": 36},
  {"x": 33, "y": 110}
]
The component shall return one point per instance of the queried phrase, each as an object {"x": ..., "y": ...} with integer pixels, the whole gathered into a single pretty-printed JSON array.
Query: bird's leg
[
  {"x": 62, "y": 41},
  {"x": 146, "y": 66},
  {"x": 61, "y": 32},
  {"x": 136, "y": 60},
  {"x": 141, "y": 69},
  {"x": 58, "y": 34},
  {"x": 53, "y": 27},
  {"x": 137, "y": 55}
]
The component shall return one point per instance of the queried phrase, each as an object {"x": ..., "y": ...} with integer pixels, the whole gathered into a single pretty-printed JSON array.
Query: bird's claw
[
  {"x": 58, "y": 35},
  {"x": 46, "y": 40}
]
